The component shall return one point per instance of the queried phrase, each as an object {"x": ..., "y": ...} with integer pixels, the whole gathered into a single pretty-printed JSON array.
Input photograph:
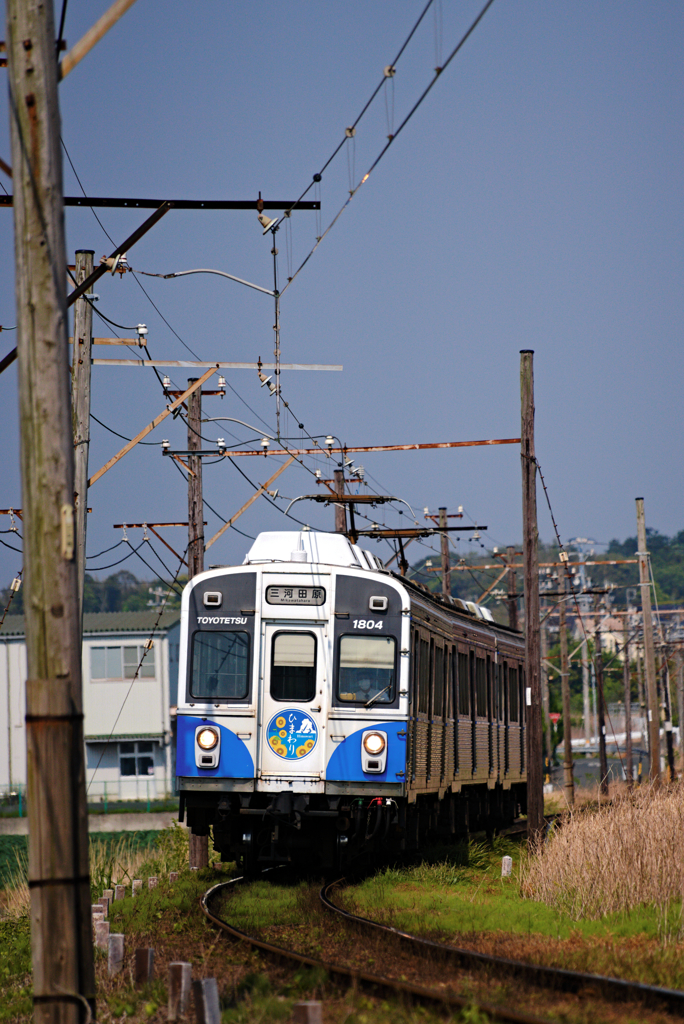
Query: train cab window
[
  {"x": 366, "y": 669},
  {"x": 220, "y": 665},
  {"x": 513, "y": 695},
  {"x": 293, "y": 666}
]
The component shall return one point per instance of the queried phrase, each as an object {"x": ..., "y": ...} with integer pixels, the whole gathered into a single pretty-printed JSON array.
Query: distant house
[{"x": 128, "y": 720}]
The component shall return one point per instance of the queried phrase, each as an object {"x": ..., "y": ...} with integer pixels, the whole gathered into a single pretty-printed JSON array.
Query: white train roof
[{"x": 310, "y": 546}]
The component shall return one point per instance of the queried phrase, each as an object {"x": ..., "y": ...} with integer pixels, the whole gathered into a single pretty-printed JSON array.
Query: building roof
[{"x": 96, "y": 623}]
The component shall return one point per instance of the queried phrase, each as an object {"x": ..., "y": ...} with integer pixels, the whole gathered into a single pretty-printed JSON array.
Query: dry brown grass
[
  {"x": 116, "y": 863},
  {"x": 613, "y": 855}
]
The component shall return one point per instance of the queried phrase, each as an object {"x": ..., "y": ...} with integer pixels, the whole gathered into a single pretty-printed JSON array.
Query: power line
[
  {"x": 122, "y": 436},
  {"x": 391, "y": 139}
]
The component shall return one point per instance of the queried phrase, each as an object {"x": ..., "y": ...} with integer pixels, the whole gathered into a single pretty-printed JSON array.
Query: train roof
[
  {"x": 335, "y": 549},
  {"x": 310, "y": 546}
]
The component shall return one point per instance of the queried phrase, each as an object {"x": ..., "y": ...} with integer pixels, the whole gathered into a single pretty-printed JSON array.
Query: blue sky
[{"x": 533, "y": 201}]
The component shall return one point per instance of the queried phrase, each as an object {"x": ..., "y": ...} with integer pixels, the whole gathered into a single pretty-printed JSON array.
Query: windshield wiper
[{"x": 377, "y": 695}]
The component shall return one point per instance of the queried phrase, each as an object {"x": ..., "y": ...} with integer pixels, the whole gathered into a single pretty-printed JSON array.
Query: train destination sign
[{"x": 295, "y": 595}]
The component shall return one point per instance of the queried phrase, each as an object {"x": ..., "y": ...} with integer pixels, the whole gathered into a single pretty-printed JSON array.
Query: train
[{"x": 330, "y": 709}]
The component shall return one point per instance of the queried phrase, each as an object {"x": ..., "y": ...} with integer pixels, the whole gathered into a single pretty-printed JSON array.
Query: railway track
[
  {"x": 357, "y": 977},
  {"x": 556, "y": 979}
]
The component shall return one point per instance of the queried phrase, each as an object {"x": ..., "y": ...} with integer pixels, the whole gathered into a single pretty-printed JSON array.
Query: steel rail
[
  {"x": 357, "y": 977},
  {"x": 549, "y": 977}
]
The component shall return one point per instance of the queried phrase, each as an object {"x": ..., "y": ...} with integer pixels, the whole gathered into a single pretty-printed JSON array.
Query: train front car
[{"x": 293, "y": 702}]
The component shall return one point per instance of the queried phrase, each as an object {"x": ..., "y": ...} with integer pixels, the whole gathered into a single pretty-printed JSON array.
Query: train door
[{"x": 294, "y": 699}]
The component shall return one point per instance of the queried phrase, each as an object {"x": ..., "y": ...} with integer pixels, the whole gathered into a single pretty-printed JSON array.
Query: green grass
[
  {"x": 263, "y": 905},
  {"x": 448, "y": 898},
  {"x": 10, "y": 848}
]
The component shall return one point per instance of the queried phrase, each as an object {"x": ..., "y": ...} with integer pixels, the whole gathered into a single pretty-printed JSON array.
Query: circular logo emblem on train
[{"x": 292, "y": 734}]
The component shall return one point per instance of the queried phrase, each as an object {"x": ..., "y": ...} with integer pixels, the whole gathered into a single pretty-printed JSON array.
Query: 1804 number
[{"x": 367, "y": 624}]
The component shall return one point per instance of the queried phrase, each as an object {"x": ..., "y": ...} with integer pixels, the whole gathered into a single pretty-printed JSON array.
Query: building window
[
  {"x": 119, "y": 663},
  {"x": 136, "y": 758}
]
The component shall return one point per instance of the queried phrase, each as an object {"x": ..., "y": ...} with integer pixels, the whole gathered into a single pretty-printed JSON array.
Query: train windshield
[
  {"x": 366, "y": 670},
  {"x": 220, "y": 665}
]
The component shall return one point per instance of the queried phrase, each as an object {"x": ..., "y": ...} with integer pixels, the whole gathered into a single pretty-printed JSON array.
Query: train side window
[
  {"x": 513, "y": 710},
  {"x": 463, "y": 686},
  {"x": 424, "y": 678},
  {"x": 293, "y": 666},
  {"x": 220, "y": 665},
  {"x": 480, "y": 688},
  {"x": 367, "y": 669},
  {"x": 438, "y": 698}
]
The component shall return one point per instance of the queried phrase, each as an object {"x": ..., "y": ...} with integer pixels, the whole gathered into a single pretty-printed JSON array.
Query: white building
[{"x": 127, "y": 720}]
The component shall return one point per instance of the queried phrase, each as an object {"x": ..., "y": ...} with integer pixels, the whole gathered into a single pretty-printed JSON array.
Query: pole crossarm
[
  {"x": 112, "y": 202},
  {"x": 546, "y": 565},
  {"x": 428, "y": 531},
  {"x": 380, "y": 447},
  {"x": 197, "y": 364},
  {"x": 249, "y": 502},
  {"x": 150, "y": 427}
]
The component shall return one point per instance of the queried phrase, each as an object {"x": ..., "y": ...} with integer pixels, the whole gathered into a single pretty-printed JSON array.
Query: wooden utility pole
[
  {"x": 199, "y": 845},
  {"x": 627, "y": 677},
  {"x": 444, "y": 542},
  {"x": 649, "y": 651},
  {"x": 533, "y": 701},
  {"x": 512, "y": 589},
  {"x": 600, "y": 705},
  {"x": 81, "y": 365},
  {"x": 340, "y": 510},
  {"x": 59, "y": 884},
  {"x": 195, "y": 503},
  {"x": 568, "y": 780}
]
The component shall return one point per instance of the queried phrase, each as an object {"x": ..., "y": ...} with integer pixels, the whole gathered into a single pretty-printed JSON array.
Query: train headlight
[
  {"x": 207, "y": 739},
  {"x": 374, "y": 743}
]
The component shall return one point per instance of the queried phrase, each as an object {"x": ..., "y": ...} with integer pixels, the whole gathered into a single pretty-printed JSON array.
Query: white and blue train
[{"x": 328, "y": 708}]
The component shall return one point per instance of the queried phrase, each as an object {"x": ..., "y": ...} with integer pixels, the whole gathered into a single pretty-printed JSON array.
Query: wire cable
[
  {"x": 438, "y": 72},
  {"x": 5, "y": 544},
  {"x": 101, "y": 568},
  {"x": 154, "y": 444},
  {"x": 106, "y": 550}
]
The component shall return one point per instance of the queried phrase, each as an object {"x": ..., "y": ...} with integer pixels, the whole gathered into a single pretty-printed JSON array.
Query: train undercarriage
[{"x": 319, "y": 831}]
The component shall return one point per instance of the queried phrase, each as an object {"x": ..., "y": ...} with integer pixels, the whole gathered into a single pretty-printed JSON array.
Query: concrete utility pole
[
  {"x": 627, "y": 677},
  {"x": 649, "y": 651},
  {"x": 512, "y": 589},
  {"x": 533, "y": 701},
  {"x": 544, "y": 645},
  {"x": 81, "y": 365},
  {"x": 586, "y": 700},
  {"x": 568, "y": 780},
  {"x": 199, "y": 845},
  {"x": 59, "y": 885},
  {"x": 444, "y": 542},
  {"x": 679, "y": 662},
  {"x": 665, "y": 683},
  {"x": 601, "y": 706},
  {"x": 340, "y": 510}
]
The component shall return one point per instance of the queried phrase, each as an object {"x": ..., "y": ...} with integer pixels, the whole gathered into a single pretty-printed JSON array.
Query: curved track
[
  {"x": 549, "y": 977},
  {"x": 374, "y": 981}
]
